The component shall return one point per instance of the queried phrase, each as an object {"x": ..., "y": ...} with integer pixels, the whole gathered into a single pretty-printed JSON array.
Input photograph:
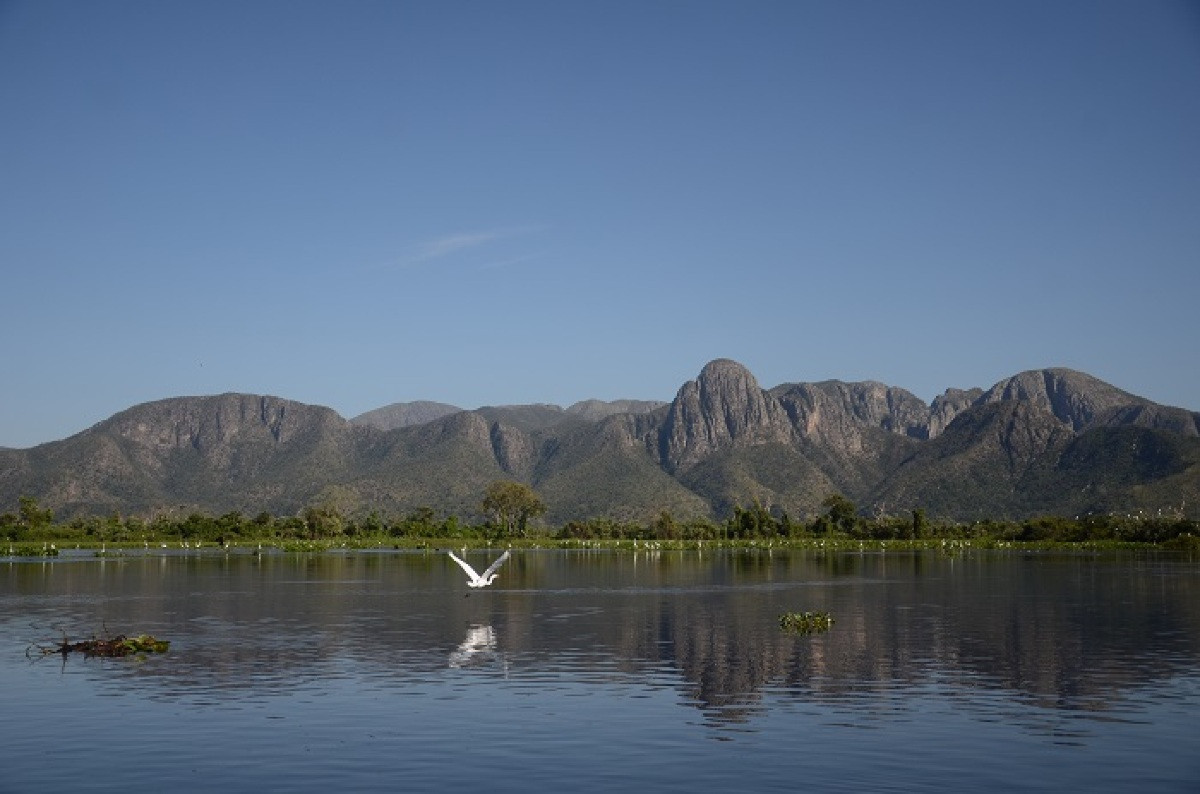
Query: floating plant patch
[
  {"x": 119, "y": 645},
  {"x": 805, "y": 622}
]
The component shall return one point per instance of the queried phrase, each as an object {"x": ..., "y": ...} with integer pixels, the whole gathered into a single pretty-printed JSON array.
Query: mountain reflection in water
[{"x": 1071, "y": 634}]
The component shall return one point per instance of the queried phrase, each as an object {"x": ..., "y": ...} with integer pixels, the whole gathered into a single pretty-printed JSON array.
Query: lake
[{"x": 598, "y": 670}]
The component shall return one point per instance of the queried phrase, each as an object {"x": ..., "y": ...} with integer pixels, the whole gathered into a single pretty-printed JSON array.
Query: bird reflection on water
[
  {"x": 480, "y": 640},
  {"x": 478, "y": 649}
]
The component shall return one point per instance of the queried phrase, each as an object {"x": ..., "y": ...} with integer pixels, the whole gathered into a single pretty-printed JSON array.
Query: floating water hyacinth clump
[
  {"x": 805, "y": 622},
  {"x": 119, "y": 645}
]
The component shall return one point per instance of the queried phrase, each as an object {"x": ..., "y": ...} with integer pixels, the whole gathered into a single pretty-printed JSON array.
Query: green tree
[
  {"x": 33, "y": 517},
  {"x": 511, "y": 504},
  {"x": 9, "y": 526},
  {"x": 198, "y": 526},
  {"x": 840, "y": 512},
  {"x": 752, "y": 522},
  {"x": 665, "y": 527},
  {"x": 323, "y": 521},
  {"x": 788, "y": 527},
  {"x": 372, "y": 525},
  {"x": 920, "y": 524}
]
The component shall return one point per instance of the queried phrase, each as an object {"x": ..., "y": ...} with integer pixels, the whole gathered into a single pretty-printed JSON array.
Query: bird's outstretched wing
[
  {"x": 470, "y": 571},
  {"x": 496, "y": 565}
]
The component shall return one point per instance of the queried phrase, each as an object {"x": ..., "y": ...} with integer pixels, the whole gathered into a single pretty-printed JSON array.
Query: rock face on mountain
[
  {"x": 420, "y": 412},
  {"x": 948, "y": 405},
  {"x": 210, "y": 451},
  {"x": 843, "y": 416},
  {"x": 1074, "y": 398},
  {"x": 724, "y": 407},
  {"x": 216, "y": 425},
  {"x": 1083, "y": 402},
  {"x": 599, "y": 409},
  {"x": 397, "y": 415},
  {"x": 1042, "y": 441}
]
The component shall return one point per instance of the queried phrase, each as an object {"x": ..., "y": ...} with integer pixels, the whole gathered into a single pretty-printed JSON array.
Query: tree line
[{"x": 511, "y": 509}]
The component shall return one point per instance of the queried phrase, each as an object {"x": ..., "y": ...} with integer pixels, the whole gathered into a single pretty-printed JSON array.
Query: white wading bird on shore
[{"x": 488, "y": 576}]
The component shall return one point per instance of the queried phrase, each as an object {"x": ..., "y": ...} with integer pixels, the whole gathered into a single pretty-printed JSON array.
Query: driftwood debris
[{"x": 120, "y": 645}]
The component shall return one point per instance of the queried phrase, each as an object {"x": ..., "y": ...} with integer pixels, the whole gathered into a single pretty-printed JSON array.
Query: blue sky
[{"x": 356, "y": 203}]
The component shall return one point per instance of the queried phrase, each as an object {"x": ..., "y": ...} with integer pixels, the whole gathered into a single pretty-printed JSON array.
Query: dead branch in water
[{"x": 120, "y": 645}]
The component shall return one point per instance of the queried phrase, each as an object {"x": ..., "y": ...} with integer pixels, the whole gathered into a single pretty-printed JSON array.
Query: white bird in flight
[{"x": 488, "y": 576}]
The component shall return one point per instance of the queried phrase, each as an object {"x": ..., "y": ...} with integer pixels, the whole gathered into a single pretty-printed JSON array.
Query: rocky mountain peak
[
  {"x": 725, "y": 370},
  {"x": 948, "y": 405},
  {"x": 215, "y": 422},
  {"x": 1074, "y": 398},
  {"x": 723, "y": 406},
  {"x": 1044, "y": 440},
  {"x": 595, "y": 410},
  {"x": 389, "y": 417}
]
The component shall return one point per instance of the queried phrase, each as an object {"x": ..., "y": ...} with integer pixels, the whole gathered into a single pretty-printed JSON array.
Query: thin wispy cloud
[
  {"x": 499, "y": 264},
  {"x": 441, "y": 247},
  {"x": 444, "y": 246}
]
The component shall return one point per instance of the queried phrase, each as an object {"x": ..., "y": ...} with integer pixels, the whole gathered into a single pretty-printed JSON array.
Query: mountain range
[{"x": 1049, "y": 441}]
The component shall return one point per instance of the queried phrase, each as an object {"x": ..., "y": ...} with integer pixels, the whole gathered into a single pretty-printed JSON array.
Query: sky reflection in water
[{"x": 668, "y": 670}]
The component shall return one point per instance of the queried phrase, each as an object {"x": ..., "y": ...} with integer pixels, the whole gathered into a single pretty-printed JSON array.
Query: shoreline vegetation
[{"x": 33, "y": 532}]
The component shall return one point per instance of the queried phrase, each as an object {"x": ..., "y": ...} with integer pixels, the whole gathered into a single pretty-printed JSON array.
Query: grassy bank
[{"x": 1189, "y": 544}]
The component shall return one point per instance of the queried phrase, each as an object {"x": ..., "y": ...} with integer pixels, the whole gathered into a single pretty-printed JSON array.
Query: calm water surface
[{"x": 604, "y": 671}]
